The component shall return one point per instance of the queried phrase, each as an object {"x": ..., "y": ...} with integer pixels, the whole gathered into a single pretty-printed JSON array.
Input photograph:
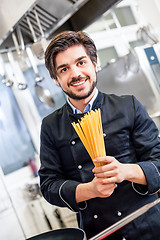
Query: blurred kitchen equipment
[
  {"x": 33, "y": 167},
  {"x": 19, "y": 78},
  {"x": 152, "y": 54},
  {"x": 146, "y": 34},
  {"x": 43, "y": 94},
  {"x": 5, "y": 79},
  {"x": 8, "y": 199},
  {"x": 21, "y": 54},
  {"x": 139, "y": 81},
  {"x": 32, "y": 191},
  {"x": 38, "y": 78},
  {"x": 122, "y": 66},
  {"x": 133, "y": 61},
  {"x": 20, "y": 38},
  {"x": 61, "y": 234},
  {"x": 22, "y": 85},
  {"x": 38, "y": 47},
  {"x": 125, "y": 221}
]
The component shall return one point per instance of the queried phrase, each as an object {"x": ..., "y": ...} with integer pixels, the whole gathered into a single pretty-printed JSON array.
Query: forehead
[{"x": 70, "y": 55}]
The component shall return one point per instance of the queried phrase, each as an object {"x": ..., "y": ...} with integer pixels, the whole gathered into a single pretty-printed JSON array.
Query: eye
[
  {"x": 64, "y": 69},
  {"x": 81, "y": 63}
]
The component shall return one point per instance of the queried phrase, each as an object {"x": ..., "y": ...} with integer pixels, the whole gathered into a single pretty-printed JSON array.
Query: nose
[{"x": 75, "y": 72}]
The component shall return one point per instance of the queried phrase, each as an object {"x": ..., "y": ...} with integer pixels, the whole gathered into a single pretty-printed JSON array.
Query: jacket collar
[
  {"x": 75, "y": 117},
  {"x": 96, "y": 104}
]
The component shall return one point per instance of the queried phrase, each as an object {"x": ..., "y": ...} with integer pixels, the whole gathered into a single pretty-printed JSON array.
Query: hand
[
  {"x": 100, "y": 189},
  {"x": 93, "y": 189},
  {"x": 112, "y": 172},
  {"x": 107, "y": 176}
]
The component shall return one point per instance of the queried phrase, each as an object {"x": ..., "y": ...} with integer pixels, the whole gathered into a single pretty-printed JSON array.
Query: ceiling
[{"x": 47, "y": 18}]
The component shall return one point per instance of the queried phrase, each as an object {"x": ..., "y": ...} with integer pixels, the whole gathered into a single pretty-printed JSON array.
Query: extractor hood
[{"x": 54, "y": 16}]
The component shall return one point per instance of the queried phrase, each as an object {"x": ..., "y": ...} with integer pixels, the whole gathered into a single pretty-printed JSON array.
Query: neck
[{"x": 81, "y": 104}]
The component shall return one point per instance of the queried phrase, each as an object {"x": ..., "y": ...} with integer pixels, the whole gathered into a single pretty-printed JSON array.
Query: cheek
[{"x": 93, "y": 73}]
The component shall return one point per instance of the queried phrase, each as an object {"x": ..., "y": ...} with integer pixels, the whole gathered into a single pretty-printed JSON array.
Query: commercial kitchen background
[{"x": 127, "y": 35}]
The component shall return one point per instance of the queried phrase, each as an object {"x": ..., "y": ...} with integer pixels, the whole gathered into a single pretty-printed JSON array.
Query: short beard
[{"x": 76, "y": 97}]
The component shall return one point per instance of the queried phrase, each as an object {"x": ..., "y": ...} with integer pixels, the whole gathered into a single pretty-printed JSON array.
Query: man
[{"x": 130, "y": 177}]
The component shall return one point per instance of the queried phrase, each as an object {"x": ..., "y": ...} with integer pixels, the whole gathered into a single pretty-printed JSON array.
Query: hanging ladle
[
  {"x": 5, "y": 80},
  {"x": 42, "y": 93},
  {"x": 18, "y": 76},
  {"x": 21, "y": 84}
]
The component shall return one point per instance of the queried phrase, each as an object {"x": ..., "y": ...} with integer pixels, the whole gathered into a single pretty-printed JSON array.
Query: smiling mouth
[{"x": 78, "y": 82}]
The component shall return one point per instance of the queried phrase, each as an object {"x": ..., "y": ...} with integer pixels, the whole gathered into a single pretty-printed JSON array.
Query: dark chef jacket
[{"x": 131, "y": 137}]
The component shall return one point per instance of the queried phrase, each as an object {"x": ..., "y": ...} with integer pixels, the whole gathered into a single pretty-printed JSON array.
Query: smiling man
[
  {"x": 130, "y": 177},
  {"x": 76, "y": 74}
]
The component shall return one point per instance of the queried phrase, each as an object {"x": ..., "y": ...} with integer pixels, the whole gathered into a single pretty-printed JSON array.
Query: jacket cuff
[
  {"x": 67, "y": 192},
  {"x": 139, "y": 188},
  {"x": 152, "y": 177}
]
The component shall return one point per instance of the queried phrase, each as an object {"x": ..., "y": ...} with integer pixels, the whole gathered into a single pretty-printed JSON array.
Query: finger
[
  {"x": 107, "y": 174},
  {"x": 109, "y": 180},
  {"x": 106, "y": 159},
  {"x": 106, "y": 168},
  {"x": 100, "y": 169}
]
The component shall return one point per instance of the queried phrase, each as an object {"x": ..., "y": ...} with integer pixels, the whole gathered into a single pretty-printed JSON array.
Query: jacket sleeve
[
  {"x": 147, "y": 146},
  {"x": 54, "y": 187}
]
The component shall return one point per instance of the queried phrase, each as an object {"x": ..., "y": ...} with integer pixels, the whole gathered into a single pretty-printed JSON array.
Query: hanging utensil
[
  {"x": 43, "y": 41},
  {"x": 5, "y": 80},
  {"x": 21, "y": 84},
  {"x": 19, "y": 78},
  {"x": 133, "y": 62},
  {"x": 147, "y": 35},
  {"x": 38, "y": 78},
  {"x": 38, "y": 47},
  {"x": 42, "y": 93},
  {"x": 20, "y": 38}
]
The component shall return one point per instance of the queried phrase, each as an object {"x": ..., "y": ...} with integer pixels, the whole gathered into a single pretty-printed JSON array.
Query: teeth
[{"x": 78, "y": 83}]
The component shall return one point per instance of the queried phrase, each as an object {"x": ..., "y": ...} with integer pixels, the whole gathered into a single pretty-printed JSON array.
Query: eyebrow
[{"x": 66, "y": 64}]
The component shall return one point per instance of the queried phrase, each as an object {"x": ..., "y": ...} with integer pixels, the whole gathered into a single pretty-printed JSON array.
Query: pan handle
[{"x": 125, "y": 221}]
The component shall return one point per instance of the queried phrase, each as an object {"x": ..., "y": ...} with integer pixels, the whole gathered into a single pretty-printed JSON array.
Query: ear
[{"x": 95, "y": 66}]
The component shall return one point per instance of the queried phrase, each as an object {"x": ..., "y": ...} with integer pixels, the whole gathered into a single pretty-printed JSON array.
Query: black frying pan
[
  {"x": 61, "y": 234},
  {"x": 79, "y": 234}
]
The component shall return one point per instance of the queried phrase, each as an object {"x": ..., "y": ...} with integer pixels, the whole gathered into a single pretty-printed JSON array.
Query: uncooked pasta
[{"x": 89, "y": 130}]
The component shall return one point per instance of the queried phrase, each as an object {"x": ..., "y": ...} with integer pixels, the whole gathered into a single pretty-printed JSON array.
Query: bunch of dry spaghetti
[{"x": 89, "y": 130}]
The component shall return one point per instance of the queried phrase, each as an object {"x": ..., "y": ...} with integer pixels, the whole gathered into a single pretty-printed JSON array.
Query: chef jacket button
[
  {"x": 79, "y": 166},
  {"x": 73, "y": 142},
  {"x": 95, "y": 216},
  {"x": 119, "y": 213},
  {"x": 104, "y": 135}
]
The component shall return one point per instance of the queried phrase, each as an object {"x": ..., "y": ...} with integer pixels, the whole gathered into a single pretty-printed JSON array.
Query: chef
[{"x": 130, "y": 177}]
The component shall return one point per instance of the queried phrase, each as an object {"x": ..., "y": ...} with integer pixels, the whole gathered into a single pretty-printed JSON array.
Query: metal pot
[{"x": 62, "y": 234}]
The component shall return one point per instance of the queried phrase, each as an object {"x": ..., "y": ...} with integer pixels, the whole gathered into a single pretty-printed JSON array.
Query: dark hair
[{"x": 63, "y": 41}]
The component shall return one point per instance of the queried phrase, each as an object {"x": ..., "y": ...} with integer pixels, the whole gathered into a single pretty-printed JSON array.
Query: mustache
[{"x": 77, "y": 79}]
